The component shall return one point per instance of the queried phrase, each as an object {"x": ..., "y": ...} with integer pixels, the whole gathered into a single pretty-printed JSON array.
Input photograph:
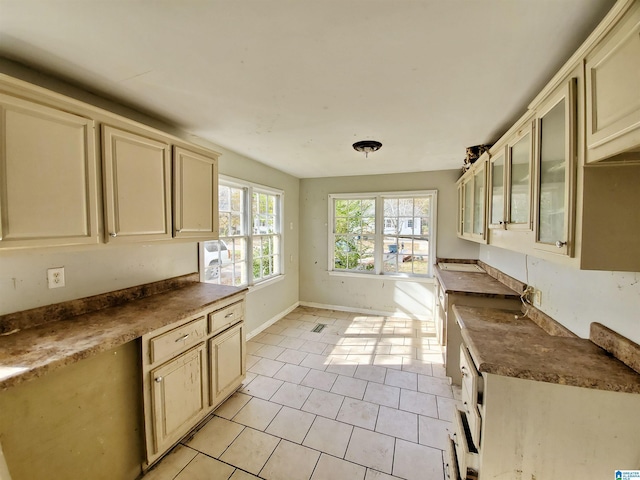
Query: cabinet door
[
  {"x": 228, "y": 362},
  {"x": 195, "y": 195},
  {"x": 137, "y": 178},
  {"x": 613, "y": 91},
  {"x": 179, "y": 395},
  {"x": 467, "y": 209},
  {"x": 48, "y": 180},
  {"x": 479, "y": 201},
  {"x": 520, "y": 154},
  {"x": 497, "y": 191},
  {"x": 555, "y": 167}
]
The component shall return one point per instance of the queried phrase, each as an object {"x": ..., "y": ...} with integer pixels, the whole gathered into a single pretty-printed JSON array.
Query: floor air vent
[{"x": 318, "y": 328}]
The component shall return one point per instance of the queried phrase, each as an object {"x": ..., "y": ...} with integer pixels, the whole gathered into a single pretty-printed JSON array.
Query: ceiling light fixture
[{"x": 367, "y": 146}]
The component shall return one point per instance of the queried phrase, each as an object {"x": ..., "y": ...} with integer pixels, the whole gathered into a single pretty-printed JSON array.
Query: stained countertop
[
  {"x": 32, "y": 352},
  {"x": 506, "y": 342},
  {"x": 473, "y": 283}
]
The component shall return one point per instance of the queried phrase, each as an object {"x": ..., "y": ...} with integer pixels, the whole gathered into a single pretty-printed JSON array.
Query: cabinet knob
[
  {"x": 113, "y": 234},
  {"x": 158, "y": 379},
  {"x": 560, "y": 244}
]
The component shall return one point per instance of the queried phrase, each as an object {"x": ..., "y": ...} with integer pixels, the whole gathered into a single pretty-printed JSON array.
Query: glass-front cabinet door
[
  {"x": 520, "y": 155},
  {"x": 479, "y": 196},
  {"x": 472, "y": 198},
  {"x": 497, "y": 190},
  {"x": 555, "y": 167}
]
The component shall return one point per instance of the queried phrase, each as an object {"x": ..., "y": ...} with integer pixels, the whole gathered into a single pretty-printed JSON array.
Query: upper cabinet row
[
  {"x": 69, "y": 179},
  {"x": 562, "y": 184}
]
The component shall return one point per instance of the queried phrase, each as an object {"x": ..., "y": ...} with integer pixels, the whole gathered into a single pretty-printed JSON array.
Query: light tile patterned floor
[{"x": 365, "y": 399}]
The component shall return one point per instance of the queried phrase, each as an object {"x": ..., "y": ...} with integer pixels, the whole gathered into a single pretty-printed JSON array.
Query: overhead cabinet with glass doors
[
  {"x": 472, "y": 202},
  {"x": 546, "y": 197}
]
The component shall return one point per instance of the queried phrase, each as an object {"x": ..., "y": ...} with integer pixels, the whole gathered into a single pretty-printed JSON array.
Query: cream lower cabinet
[
  {"x": 180, "y": 395},
  {"x": 48, "y": 176},
  {"x": 189, "y": 368},
  {"x": 532, "y": 429},
  {"x": 227, "y": 362}
]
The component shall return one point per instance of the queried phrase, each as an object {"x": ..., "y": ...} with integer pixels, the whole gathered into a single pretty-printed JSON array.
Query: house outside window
[
  {"x": 244, "y": 255},
  {"x": 383, "y": 233}
]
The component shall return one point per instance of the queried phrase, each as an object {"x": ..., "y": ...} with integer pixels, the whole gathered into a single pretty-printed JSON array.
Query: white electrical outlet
[
  {"x": 55, "y": 277},
  {"x": 537, "y": 298}
]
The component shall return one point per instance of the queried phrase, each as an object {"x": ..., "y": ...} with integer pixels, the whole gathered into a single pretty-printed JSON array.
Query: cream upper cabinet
[
  {"x": 137, "y": 179},
  {"x": 613, "y": 91},
  {"x": 555, "y": 171},
  {"x": 473, "y": 202},
  {"x": 195, "y": 208},
  {"x": 48, "y": 176},
  {"x": 519, "y": 179},
  {"x": 497, "y": 190}
]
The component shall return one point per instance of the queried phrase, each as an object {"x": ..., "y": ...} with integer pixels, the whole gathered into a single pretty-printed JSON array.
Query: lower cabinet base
[{"x": 188, "y": 369}]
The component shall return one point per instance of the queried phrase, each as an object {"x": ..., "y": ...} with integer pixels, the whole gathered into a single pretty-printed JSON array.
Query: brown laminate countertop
[
  {"x": 505, "y": 342},
  {"x": 473, "y": 283},
  {"x": 34, "y": 351}
]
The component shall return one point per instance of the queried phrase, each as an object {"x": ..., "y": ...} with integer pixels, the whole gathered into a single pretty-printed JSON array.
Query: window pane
[{"x": 520, "y": 172}]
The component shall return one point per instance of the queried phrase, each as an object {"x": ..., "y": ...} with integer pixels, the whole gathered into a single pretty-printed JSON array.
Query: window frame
[
  {"x": 249, "y": 188},
  {"x": 379, "y": 197}
]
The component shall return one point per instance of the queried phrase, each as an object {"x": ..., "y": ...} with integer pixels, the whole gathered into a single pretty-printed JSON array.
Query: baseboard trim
[
  {"x": 271, "y": 321},
  {"x": 341, "y": 308}
]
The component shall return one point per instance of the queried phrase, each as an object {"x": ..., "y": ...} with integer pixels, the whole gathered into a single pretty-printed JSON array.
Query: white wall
[
  {"x": 91, "y": 270},
  {"x": 574, "y": 297},
  {"x": 266, "y": 303},
  {"x": 380, "y": 293}
]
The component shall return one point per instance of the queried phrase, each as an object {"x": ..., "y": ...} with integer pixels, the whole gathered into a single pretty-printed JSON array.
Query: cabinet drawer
[
  {"x": 451, "y": 470},
  {"x": 221, "y": 319},
  {"x": 466, "y": 451},
  {"x": 471, "y": 378},
  {"x": 473, "y": 414},
  {"x": 174, "y": 341}
]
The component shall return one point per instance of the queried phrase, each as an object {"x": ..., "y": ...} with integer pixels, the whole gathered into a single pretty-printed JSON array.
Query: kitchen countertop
[
  {"x": 473, "y": 283},
  {"x": 32, "y": 352},
  {"x": 505, "y": 342}
]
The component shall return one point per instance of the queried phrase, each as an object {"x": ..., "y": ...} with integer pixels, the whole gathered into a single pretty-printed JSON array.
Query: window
[
  {"x": 243, "y": 255},
  {"x": 403, "y": 245}
]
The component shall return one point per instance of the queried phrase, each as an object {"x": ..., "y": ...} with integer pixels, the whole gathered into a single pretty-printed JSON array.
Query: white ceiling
[{"x": 293, "y": 83}]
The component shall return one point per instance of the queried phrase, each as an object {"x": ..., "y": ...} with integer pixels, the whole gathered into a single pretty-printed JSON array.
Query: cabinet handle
[
  {"x": 560, "y": 244},
  {"x": 158, "y": 379},
  {"x": 113, "y": 234},
  {"x": 183, "y": 337},
  {"x": 229, "y": 315}
]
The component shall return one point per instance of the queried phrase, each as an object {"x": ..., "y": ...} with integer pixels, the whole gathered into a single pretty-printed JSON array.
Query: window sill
[
  {"x": 386, "y": 277},
  {"x": 266, "y": 283}
]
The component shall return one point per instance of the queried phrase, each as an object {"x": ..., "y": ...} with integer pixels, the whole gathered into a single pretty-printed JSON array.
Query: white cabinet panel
[
  {"x": 195, "y": 195},
  {"x": 137, "y": 178},
  {"x": 227, "y": 354},
  {"x": 48, "y": 181},
  {"x": 613, "y": 91},
  {"x": 179, "y": 395}
]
